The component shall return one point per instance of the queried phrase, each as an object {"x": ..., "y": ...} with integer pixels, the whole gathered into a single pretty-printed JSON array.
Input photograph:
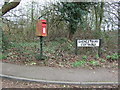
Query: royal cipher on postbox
[{"x": 41, "y": 28}]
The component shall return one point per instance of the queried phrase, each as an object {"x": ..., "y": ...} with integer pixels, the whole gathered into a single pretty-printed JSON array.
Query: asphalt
[{"x": 59, "y": 75}]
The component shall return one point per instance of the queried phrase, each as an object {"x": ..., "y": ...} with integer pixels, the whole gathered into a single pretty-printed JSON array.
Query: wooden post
[
  {"x": 76, "y": 49},
  {"x": 99, "y": 49}
]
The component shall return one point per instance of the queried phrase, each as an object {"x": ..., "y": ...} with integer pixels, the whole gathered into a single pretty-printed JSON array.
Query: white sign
[{"x": 88, "y": 43}]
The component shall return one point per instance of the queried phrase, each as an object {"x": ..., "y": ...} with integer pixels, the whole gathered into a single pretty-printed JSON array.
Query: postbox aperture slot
[{"x": 43, "y": 22}]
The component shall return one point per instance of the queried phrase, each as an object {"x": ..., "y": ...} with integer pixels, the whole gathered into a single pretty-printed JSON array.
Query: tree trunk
[
  {"x": 70, "y": 35},
  {"x": 96, "y": 18},
  {"x": 101, "y": 15},
  {"x": 71, "y": 31},
  {"x": 99, "y": 12}
]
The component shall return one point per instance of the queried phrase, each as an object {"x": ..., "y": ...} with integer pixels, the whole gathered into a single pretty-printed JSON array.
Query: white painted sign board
[{"x": 88, "y": 43}]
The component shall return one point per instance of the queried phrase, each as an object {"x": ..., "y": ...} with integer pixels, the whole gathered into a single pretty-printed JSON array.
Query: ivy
[{"x": 73, "y": 12}]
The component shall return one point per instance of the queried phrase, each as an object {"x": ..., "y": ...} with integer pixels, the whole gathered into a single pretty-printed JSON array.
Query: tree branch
[
  {"x": 7, "y": 7},
  {"x": 115, "y": 14}
]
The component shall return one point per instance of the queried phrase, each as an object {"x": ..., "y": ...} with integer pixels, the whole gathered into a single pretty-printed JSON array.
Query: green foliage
[
  {"x": 97, "y": 56},
  {"x": 93, "y": 62},
  {"x": 51, "y": 46},
  {"x": 64, "y": 44},
  {"x": 79, "y": 63},
  {"x": 2, "y": 56},
  {"x": 84, "y": 57},
  {"x": 61, "y": 40},
  {"x": 72, "y": 13},
  {"x": 33, "y": 63},
  {"x": 103, "y": 60},
  {"x": 67, "y": 47},
  {"x": 108, "y": 56},
  {"x": 112, "y": 57},
  {"x": 5, "y": 42},
  {"x": 41, "y": 58}
]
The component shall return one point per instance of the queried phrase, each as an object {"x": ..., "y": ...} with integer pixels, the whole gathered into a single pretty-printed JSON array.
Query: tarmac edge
[{"x": 57, "y": 82}]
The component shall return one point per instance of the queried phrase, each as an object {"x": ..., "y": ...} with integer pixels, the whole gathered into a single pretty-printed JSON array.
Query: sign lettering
[{"x": 88, "y": 43}]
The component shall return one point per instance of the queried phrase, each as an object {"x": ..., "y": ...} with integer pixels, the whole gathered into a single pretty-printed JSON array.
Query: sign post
[
  {"x": 99, "y": 50},
  {"x": 41, "y": 31},
  {"x": 76, "y": 47},
  {"x": 88, "y": 43}
]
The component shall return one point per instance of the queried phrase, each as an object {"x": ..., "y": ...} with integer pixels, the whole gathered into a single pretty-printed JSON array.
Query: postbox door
[
  {"x": 44, "y": 28},
  {"x": 44, "y": 31}
]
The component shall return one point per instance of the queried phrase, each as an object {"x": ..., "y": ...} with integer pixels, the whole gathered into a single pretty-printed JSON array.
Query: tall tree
[
  {"x": 99, "y": 13},
  {"x": 73, "y": 13}
]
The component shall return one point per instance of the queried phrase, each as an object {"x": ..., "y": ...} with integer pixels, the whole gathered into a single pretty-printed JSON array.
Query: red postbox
[{"x": 41, "y": 28}]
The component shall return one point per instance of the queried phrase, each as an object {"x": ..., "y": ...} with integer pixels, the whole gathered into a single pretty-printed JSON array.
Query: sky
[
  {"x": 43, "y": 2},
  {"x": 26, "y": 1}
]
